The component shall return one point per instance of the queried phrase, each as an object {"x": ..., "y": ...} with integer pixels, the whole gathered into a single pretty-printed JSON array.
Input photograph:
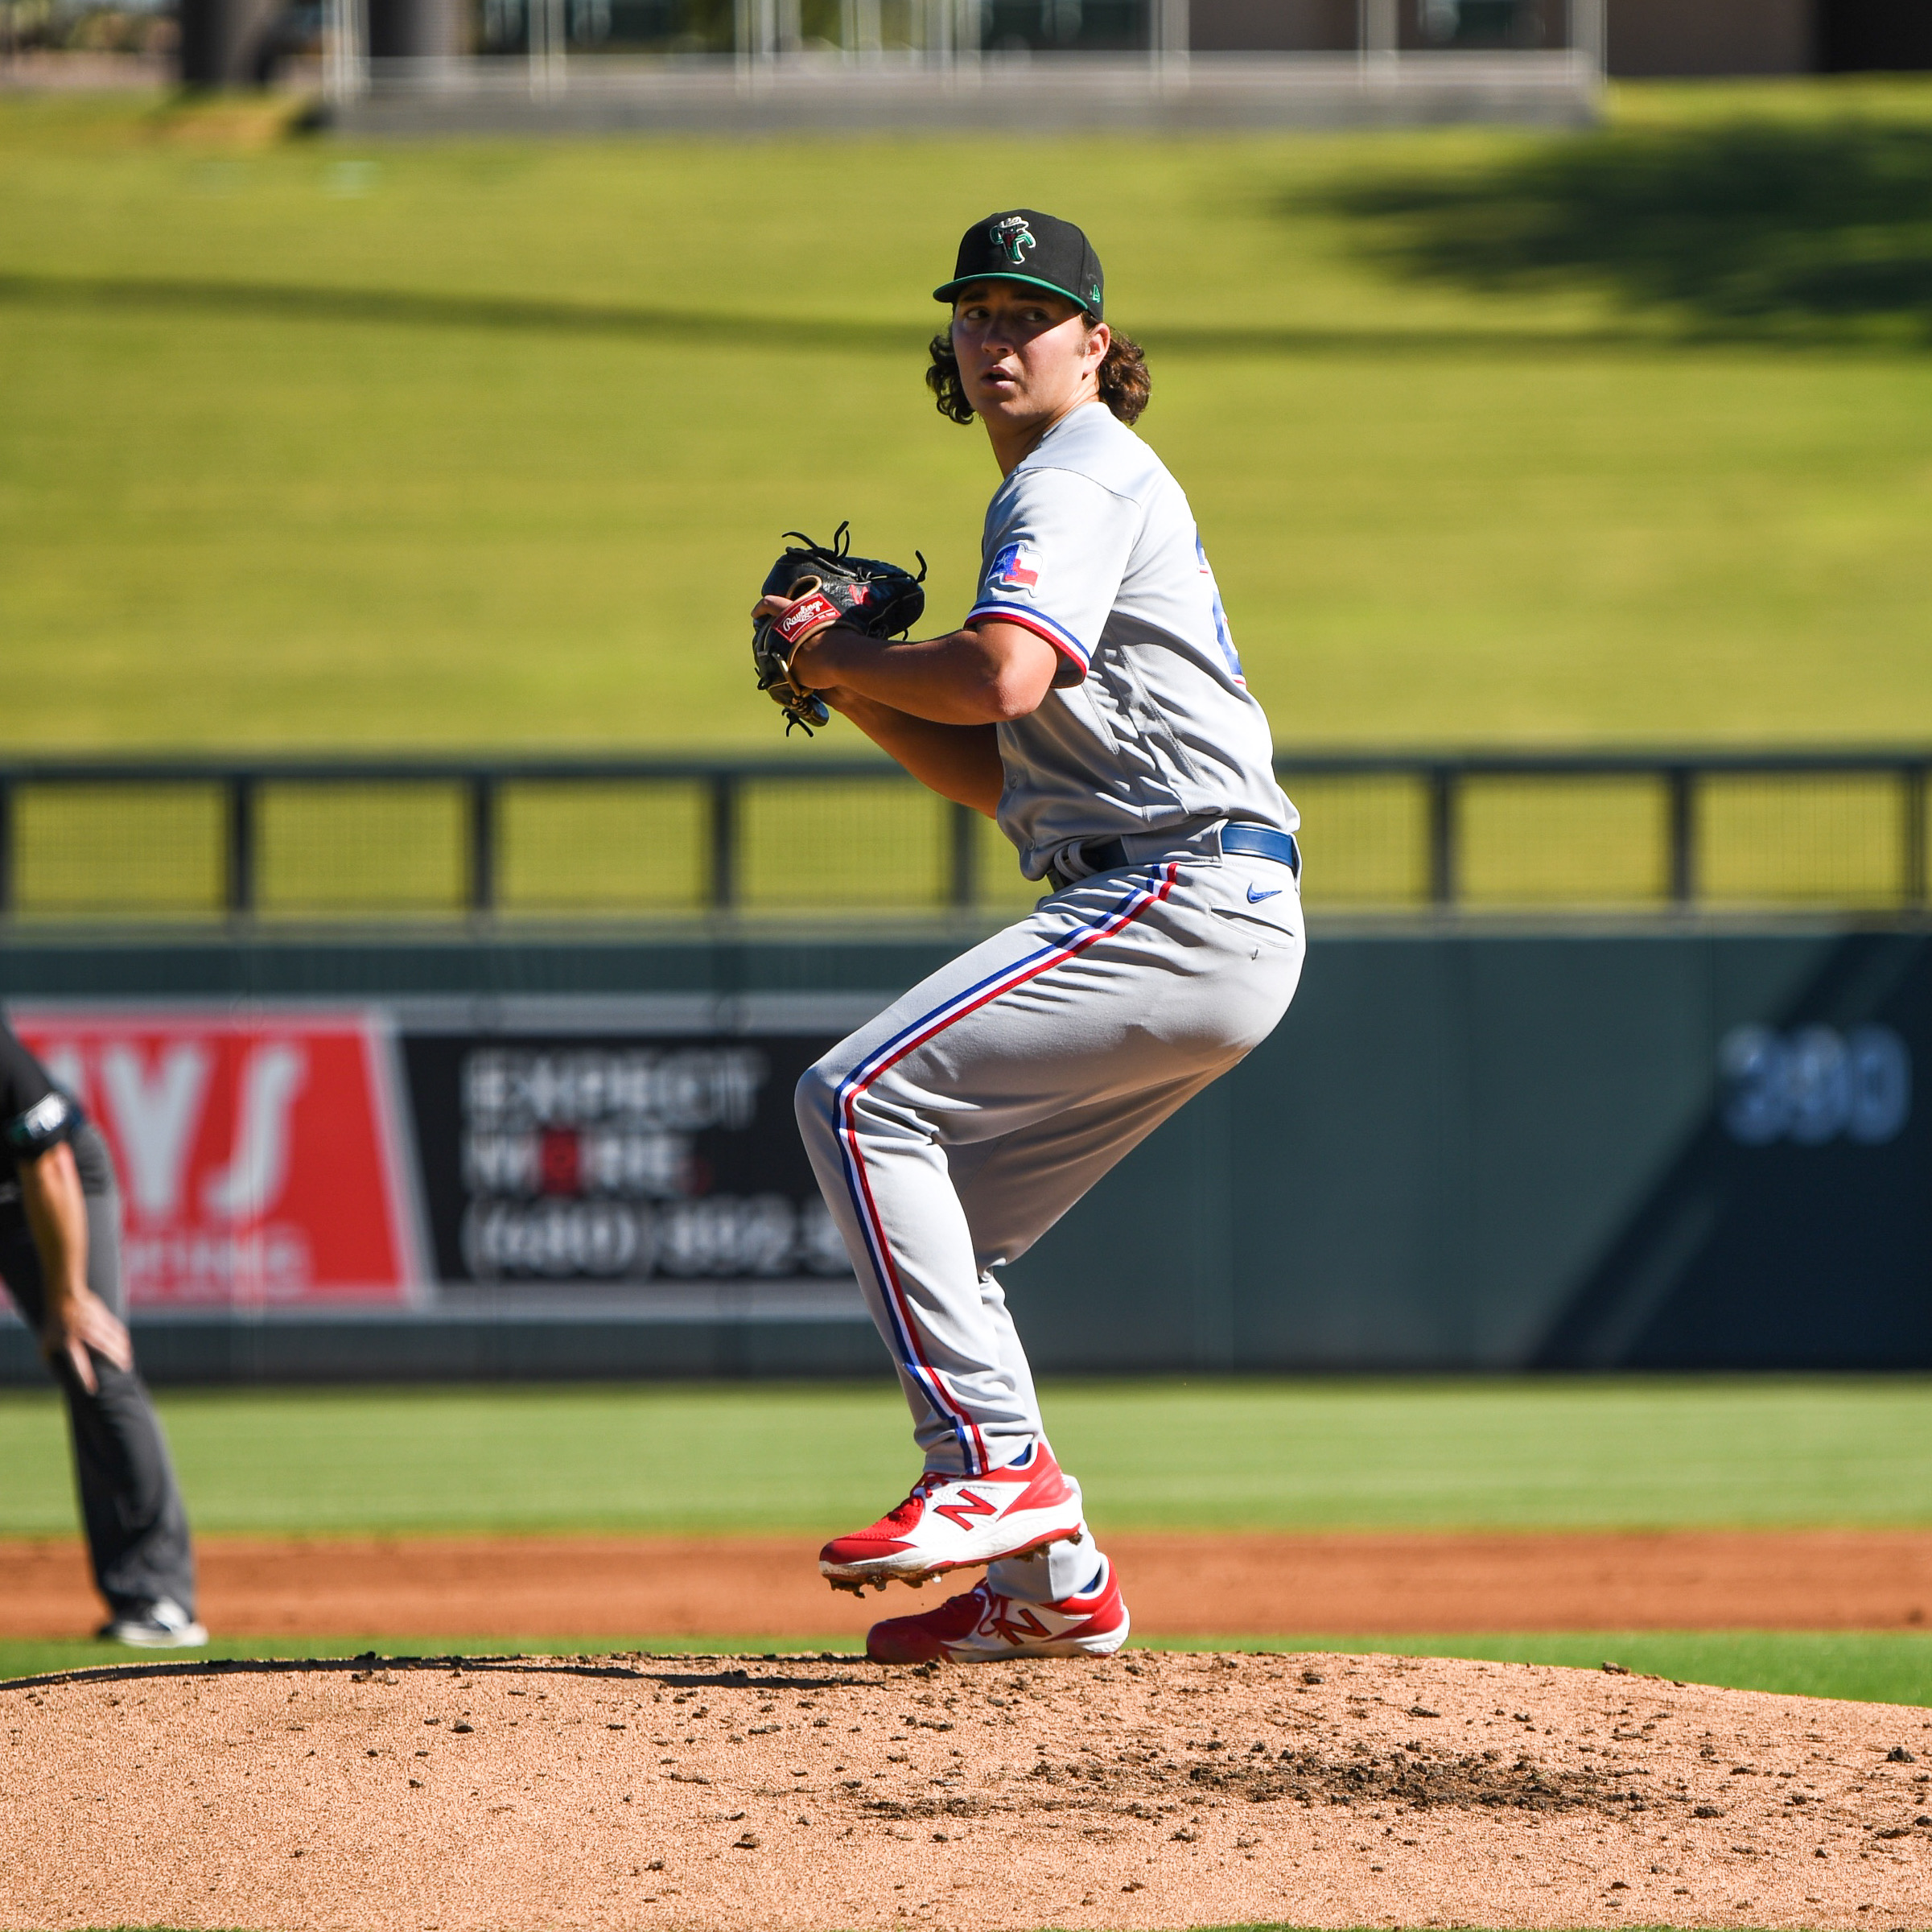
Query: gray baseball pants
[
  {"x": 130, "y": 1504},
  {"x": 951, "y": 1132}
]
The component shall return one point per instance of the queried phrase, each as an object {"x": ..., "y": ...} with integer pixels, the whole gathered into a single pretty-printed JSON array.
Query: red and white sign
[{"x": 257, "y": 1156}]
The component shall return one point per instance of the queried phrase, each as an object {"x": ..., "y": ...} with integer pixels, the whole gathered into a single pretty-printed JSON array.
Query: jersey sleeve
[
  {"x": 1057, "y": 546},
  {"x": 35, "y": 1114}
]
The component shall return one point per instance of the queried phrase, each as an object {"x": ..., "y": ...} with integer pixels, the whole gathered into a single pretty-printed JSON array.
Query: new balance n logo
[
  {"x": 1017, "y": 1624},
  {"x": 961, "y": 1513}
]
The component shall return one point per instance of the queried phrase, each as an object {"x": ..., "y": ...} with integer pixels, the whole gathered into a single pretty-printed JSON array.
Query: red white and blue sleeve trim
[
  {"x": 1148, "y": 891},
  {"x": 1062, "y": 639}
]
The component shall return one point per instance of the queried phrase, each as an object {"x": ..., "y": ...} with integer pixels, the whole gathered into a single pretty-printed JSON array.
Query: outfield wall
[{"x": 1667, "y": 1147}]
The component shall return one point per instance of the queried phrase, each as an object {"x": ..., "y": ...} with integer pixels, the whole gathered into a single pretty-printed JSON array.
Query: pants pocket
[{"x": 1271, "y": 933}]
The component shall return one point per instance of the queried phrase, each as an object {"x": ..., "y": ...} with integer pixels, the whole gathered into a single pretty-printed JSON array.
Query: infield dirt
[
  {"x": 819, "y": 1791},
  {"x": 1177, "y": 1586}
]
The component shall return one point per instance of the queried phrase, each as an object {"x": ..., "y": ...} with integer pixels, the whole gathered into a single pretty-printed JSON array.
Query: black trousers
[{"x": 137, "y": 1529}]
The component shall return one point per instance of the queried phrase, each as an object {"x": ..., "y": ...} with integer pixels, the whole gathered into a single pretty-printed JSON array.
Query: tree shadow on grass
[{"x": 1754, "y": 227}]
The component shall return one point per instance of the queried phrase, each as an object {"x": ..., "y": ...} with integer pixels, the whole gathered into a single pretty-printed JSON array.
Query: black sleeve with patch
[{"x": 35, "y": 1114}]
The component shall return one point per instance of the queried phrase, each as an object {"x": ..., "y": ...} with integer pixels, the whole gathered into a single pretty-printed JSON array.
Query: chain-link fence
[{"x": 644, "y": 841}]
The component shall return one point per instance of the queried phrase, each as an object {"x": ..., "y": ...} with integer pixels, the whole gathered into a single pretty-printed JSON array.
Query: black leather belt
[{"x": 1262, "y": 842}]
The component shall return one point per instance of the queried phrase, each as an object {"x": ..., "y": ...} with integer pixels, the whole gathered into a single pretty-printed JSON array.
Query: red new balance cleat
[
  {"x": 951, "y": 1522},
  {"x": 983, "y": 1626}
]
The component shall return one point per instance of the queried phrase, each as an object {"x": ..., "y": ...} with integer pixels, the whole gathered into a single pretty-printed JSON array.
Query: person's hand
[
  {"x": 807, "y": 660},
  {"x": 800, "y": 662},
  {"x": 805, "y": 663},
  {"x": 80, "y": 1323}
]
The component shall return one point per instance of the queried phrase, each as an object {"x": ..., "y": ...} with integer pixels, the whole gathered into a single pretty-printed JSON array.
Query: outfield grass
[
  {"x": 658, "y": 1459},
  {"x": 1869, "y": 1666},
  {"x": 482, "y": 443}
]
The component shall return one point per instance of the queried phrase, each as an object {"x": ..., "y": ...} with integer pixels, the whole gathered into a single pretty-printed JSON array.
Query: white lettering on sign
[
  {"x": 722, "y": 1235},
  {"x": 1814, "y": 1085},
  {"x": 251, "y": 1184},
  {"x": 558, "y": 1238},
  {"x": 270, "y": 1264},
  {"x": 682, "y": 1091},
  {"x": 155, "y": 1117}
]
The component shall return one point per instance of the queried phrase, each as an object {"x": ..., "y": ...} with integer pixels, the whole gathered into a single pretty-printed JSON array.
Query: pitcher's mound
[{"x": 808, "y": 1792}]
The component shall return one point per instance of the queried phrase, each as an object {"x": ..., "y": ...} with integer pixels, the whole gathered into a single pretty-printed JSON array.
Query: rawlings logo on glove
[
  {"x": 807, "y": 618},
  {"x": 828, "y": 585}
]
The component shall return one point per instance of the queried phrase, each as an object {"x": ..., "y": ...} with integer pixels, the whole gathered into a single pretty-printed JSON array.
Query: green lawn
[
  {"x": 485, "y": 444},
  {"x": 1283, "y": 1455},
  {"x": 1872, "y": 1666},
  {"x": 1239, "y": 1455}
]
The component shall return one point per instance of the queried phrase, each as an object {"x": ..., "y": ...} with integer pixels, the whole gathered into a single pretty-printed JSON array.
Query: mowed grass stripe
[
  {"x": 1625, "y": 1453},
  {"x": 480, "y": 442},
  {"x": 1868, "y": 1666}
]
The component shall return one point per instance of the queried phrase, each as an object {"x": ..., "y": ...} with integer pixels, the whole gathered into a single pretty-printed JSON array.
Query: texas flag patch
[{"x": 1013, "y": 568}]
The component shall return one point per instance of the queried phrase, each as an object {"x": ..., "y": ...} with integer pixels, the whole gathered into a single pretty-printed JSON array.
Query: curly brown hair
[{"x": 1124, "y": 381}]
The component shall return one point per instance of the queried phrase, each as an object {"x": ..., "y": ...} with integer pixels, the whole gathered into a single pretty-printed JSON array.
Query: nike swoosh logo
[{"x": 1255, "y": 898}]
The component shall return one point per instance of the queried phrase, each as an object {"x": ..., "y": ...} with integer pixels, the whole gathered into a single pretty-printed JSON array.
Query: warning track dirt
[{"x": 637, "y": 1588}]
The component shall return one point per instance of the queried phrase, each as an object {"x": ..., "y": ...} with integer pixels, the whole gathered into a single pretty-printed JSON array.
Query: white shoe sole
[
  {"x": 189, "y": 1637},
  {"x": 999, "y": 1543},
  {"x": 1066, "y": 1646}
]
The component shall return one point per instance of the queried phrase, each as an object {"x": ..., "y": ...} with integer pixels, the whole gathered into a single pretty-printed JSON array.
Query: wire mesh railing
[{"x": 653, "y": 840}]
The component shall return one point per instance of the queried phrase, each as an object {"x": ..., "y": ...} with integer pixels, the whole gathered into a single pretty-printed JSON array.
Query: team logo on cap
[{"x": 1011, "y": 235}]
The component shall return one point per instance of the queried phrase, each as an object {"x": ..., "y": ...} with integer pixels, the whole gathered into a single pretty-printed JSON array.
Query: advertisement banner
[
  {"x": 259, "y": 1161},
  {"x": 572, "y": 1157}
]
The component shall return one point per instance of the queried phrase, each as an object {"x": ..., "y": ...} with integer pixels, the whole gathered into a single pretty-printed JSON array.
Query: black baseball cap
[{"x": 1022, "y": 245}]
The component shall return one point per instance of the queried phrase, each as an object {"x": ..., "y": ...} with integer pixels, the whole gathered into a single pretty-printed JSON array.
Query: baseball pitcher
[{"x": 1093, "y": 704}]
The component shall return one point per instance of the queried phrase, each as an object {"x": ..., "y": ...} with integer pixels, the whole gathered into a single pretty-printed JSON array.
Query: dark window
[
  {"x": 1866, "y": 36},
  {"x": 1058, "y": 26}
]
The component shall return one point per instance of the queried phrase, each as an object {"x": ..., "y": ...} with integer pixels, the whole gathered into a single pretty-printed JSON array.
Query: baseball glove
[{"x": 831, "y": 587}]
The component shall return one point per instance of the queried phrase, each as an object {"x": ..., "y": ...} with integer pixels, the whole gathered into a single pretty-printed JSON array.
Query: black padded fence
[{"x": 652, "y": 841}]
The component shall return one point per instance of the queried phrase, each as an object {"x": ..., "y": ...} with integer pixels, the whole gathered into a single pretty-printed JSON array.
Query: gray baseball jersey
[{"x": 1089, "y": 543}]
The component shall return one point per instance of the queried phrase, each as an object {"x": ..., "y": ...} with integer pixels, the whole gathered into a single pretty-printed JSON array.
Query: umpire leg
[{"x": 137, "y": 1529}]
